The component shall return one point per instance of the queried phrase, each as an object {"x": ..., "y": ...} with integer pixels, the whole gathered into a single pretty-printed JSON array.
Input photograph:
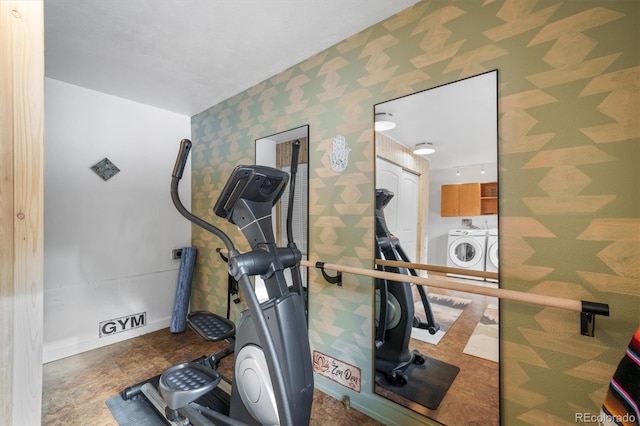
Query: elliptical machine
[
  {"x": 273, "y": 375},
  {"x": 395, "y": 312}
]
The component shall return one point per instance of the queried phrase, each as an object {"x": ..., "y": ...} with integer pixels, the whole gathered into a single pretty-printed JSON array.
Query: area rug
[
  {"x": 427, "y": 384},
  {"x": 484, "y": 342},
  {"x": 446, "y": 310}
]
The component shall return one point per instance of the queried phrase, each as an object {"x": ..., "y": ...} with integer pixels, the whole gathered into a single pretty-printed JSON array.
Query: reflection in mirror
[
  {"x": 276, "y": 151},
  {"x": 441, "y": 209}
]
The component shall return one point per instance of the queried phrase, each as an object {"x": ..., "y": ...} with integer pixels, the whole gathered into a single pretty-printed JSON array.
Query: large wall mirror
[
  {"x": 441, "y": 204},
  {"x": 276, "y": 151}
]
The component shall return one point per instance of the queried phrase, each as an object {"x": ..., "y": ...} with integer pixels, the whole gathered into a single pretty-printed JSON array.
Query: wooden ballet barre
[
  {"x": 436, "y": 268},
  {"x": 587, "y": 310}
]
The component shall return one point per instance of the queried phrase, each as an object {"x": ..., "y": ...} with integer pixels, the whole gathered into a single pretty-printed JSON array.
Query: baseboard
[{"x": 62, "y": 349}]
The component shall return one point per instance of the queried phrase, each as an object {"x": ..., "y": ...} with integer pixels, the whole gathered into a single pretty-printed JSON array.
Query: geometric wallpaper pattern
[{"x": 569, "y": 155}]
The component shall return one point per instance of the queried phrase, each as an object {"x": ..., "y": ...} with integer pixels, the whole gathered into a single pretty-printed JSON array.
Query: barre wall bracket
[
  {"x": 588, "y": 316},
  {"x": 337, "y": 280}
]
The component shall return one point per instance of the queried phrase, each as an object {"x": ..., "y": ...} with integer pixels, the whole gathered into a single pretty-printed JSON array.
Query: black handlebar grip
[
  {"x": 294, "y": 156},
  {"x": 181, "y": 161}
]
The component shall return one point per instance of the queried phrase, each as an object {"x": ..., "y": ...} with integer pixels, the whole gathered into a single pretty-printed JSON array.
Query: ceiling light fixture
[
  {"x": 482, "y": 171},
  {"x": 458, "y": 171},
  {"x": 423, "y": 148},
  {"x": 384, "y": 121}
]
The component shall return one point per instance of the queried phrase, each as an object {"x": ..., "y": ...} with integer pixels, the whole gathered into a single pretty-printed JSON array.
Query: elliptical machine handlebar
[
  {"x": 178, "y": 169},
  {"x": 294, "y": 156},
  {"x": 295, "y": 270},
  {"x": 181, "y": 160},
  {"x": 292, "y": 185}
]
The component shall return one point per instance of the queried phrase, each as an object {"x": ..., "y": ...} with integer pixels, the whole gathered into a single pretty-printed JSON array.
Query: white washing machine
[
  {"x": 466, "y": 249},
  {"x": 493, "y": 258}
]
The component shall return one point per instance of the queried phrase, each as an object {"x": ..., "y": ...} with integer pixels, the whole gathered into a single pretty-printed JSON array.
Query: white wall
[
  {"x": 107, "y": 245},
  {"x": 439, "y": 226}
]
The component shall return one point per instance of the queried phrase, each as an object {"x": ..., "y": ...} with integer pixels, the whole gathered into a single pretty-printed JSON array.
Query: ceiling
[
  {"x": 188, "y": 55},
  {"x": 459, "y": 119}
]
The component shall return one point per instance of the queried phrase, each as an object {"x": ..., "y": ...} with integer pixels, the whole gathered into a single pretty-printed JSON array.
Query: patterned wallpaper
[{"x": 569, "y": 78}]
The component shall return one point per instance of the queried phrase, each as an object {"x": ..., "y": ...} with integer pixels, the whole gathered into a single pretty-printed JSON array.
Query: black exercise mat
[
  {"x": 134, "y": 412},
  {"x": 427, "y": 384}
]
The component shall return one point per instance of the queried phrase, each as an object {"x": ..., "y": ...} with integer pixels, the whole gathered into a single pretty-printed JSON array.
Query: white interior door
[
  {"x": 388, "y": 176},
  {"x": 401, "y": 213}
]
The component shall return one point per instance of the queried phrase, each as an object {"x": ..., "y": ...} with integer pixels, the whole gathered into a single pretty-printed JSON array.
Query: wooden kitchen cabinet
[
  {"x": 460, "y": 200},
  {"x": 450, "y": 200},
  {"x": 489, "y": 198},
  {"x": 469, "y": 199}
]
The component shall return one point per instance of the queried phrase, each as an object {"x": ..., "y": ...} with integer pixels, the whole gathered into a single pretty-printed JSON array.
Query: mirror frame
[
  {"x": 282, "y": 137},
  {"x": 433, "y": 414}
]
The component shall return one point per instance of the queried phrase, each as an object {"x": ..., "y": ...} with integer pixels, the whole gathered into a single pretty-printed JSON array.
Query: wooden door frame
[
  {"x": 21, "y": 210},
  {"x": 391, "y": 151}
]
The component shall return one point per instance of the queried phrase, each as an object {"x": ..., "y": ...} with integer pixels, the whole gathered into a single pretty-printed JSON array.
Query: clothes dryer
[
  {"x": 492, "y": 257},
  {"x": 466, "y": 249}
]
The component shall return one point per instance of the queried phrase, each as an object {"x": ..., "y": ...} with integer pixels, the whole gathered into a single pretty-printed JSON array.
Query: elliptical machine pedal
[
  {"x": 210, "y": 326},
  {"x": 431, "y": 328},
  {"x": 184, "y": 383}
]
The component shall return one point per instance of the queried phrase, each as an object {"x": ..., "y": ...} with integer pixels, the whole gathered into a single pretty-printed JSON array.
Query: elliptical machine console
[{"x": 273, "y": 374}]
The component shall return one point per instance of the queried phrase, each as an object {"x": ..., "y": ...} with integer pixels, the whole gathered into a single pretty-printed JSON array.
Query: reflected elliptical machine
[
  {"x": 273, "y": 376},
  {"x": 395, "y": 312}
]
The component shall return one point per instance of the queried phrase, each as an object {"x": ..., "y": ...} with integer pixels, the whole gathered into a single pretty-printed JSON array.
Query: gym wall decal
[
  {"x": 338, "y": 371},
  {"x": 118, "y": 325},
  {"x": 340, "y": 154},
  {"x": 105, "y": 169}
]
